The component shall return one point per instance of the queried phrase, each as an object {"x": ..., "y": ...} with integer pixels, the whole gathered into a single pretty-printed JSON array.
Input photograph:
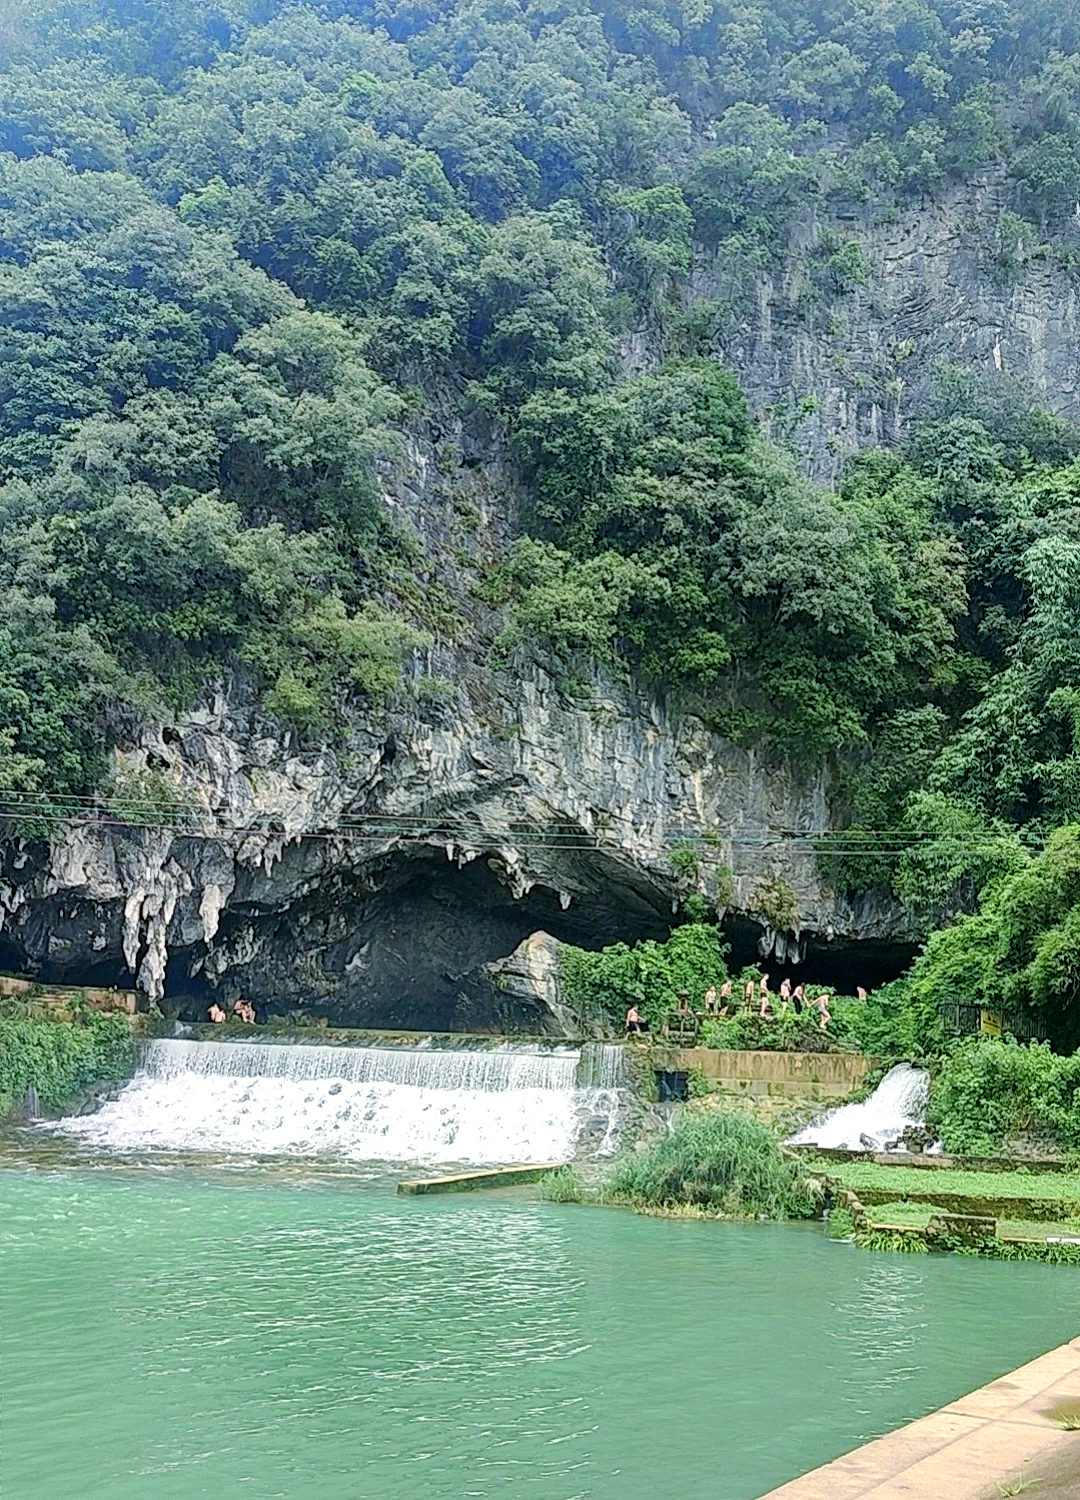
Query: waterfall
[
  {"x": 602, "y": 1065},
  {"x": 505, "y": 1103},
  {"x": 898, "y": 1101},
  {"x": 492, "y": 1071}
]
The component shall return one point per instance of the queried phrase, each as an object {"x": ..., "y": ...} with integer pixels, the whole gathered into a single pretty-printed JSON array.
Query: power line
[{"x": 388, "y": 828}]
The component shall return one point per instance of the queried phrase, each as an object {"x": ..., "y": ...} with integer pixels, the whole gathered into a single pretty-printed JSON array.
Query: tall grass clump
[
  {"x": 562, "y": 1185},
  {"x": 727, "y": 1163}
]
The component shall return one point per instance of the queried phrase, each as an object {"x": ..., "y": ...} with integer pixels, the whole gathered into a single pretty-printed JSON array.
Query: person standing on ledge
[
  {"x": 727, "y": 1006},
  {"x": 710, "y": 1000},
  {"x": 764, "y": 988},
  {"x": 822, "y": 1003},
  {"x": 634, "y": 1023},
  {"x": 748, "y": 994}
]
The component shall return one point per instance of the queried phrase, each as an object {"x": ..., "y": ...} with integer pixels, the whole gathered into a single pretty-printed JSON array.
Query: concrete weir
[
  {"x": 469, "y": 1182},
  {"x": 1015, "y": 1430}
]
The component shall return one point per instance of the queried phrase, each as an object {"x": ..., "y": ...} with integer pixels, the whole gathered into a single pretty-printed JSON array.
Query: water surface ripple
[{"x": 177, "y": 1334}]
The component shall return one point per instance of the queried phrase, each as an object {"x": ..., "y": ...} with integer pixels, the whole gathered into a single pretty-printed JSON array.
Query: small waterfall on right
[{"x": 898, "y": 1101}]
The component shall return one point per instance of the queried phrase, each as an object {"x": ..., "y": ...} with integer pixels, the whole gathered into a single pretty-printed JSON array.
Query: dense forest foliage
[{"x": 243, "y": 246}]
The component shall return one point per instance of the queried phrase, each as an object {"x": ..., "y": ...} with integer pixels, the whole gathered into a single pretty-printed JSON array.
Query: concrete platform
[
  {"x": 972, "y": 1449},
  {"x": 469, "y": 1182}
]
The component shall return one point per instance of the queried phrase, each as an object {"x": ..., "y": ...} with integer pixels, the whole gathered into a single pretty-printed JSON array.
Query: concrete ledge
[
  {"x": 468, "y": 1182},
  {"x": 828, "y": 1073},
  {"x": 969, "y": 1449}
]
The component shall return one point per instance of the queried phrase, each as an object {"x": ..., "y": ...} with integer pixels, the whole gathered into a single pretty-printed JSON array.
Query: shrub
[
  {"x": 731, "y": 1164},
  {"x": 840, "y": 1225},
  {"x": 895, "y": 1022},
  {"x": 61, "y": 1059},
  {"x": 989, "y": 1091},
  {"x": 749, "y": 1032},
  {"x": 649, "y": 975},
  {"x": 894, "y": 1240}
]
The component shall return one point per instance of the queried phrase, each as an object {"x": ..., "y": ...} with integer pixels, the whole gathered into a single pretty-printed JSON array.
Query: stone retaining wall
[
  {"x": 789, "y": 1075},
  {"x": 55, "y": 998}
]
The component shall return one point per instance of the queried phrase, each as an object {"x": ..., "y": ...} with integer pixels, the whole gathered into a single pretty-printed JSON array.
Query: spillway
[
  {"x": 506, "y": 1103},
  {"x": 898, "y": 1101}
]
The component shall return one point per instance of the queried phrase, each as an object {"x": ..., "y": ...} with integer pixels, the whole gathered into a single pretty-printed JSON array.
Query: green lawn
[
  {"x": 904, "y": 1215},
  {"x": 1054, "y": 1187}
]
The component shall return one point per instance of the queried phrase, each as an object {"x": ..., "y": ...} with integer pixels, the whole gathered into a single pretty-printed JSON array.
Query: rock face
[
  {"x": 834, "y": 369},
  {"x": 370, "y": 878},
  {"x": 524, "y": 991},
  {"x": 367, "y": 882}
]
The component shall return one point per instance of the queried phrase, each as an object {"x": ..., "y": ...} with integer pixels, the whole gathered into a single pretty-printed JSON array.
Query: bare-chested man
[
  {"x": 824, "y": 1016},
  {"x": 763, "y": 986}
]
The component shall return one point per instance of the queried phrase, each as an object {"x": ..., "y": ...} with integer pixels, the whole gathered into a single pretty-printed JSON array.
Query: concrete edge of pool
[
  {"x": 489, "y": 1177},
  {"x": 970, "y": 1449}
]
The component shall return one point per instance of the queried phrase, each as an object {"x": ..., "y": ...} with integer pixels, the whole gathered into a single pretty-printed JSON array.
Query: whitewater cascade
[
  {"x": 506, "y": 1103},
  {"x": 898, "y": 1101}
]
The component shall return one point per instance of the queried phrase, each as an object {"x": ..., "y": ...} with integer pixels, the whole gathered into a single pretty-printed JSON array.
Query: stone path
[{"x": 976, "y": 1448}]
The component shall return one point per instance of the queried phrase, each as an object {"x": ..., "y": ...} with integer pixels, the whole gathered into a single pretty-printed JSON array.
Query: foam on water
[
  {"x": 503, "y": 1104},
  {"x": 898, "y": 1101}
]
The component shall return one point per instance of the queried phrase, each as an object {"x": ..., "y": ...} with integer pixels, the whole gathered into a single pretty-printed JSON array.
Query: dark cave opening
[
  {"x": 401, "y": 943},
  {"x": 404, "y": 955},
  {"x": 842, "y": 964}
]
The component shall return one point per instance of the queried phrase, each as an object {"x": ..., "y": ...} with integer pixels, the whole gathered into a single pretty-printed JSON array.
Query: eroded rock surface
[{"x": 368, "y": 880}]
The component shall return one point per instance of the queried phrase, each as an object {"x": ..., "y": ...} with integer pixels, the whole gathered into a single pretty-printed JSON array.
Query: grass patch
[
  {"x": 562, "y": 1186},
  {"x": 728, "y": 1164},
  {"x": 902, "y": 1215},
  {"x": 1037, "y": 1229},
  {"x": 1057, "y": 1187},
  {"x": 893, "y": 1240},
  {"x": 1054, "y": 1255}
]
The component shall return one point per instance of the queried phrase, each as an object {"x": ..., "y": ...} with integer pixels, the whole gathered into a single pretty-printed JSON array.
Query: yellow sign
[{"x": 990, "y": 1023}]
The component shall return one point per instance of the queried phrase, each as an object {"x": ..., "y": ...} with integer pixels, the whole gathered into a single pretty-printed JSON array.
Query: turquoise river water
[{"x": 174, "y": 1331}]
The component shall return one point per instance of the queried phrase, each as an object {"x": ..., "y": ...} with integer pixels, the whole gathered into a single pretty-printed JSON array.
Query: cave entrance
[
  {"x": 394, "y": 947},
  {"x": 842, "y": 964}
]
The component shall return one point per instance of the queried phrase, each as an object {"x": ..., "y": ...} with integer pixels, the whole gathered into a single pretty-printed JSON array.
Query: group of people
[
  {"x": 242, "y": 1010},
  {"x": 757, "y": 996}
]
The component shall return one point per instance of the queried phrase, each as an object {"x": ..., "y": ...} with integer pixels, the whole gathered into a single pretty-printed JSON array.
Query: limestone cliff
[
  {"x": 367, "y": 881},
  {"x": 831, "y": 369},
  {"x": 368, "y": 877}
]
